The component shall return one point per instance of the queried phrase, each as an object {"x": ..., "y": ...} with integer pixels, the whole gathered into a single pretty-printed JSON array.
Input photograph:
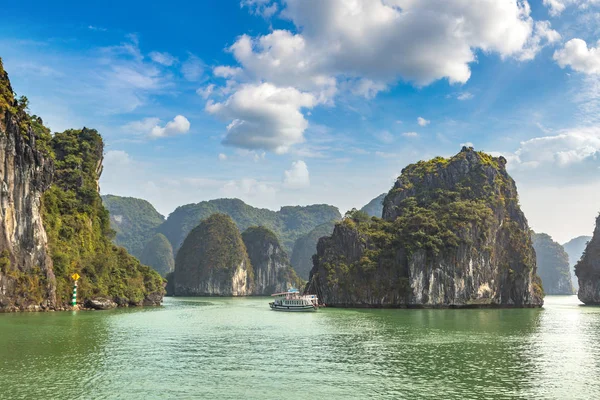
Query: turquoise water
[{"x": 236, "y": 348}]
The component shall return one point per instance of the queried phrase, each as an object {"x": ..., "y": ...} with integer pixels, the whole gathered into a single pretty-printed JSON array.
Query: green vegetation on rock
[
  {"x": 78, "y": 228},
  {"x": 158, "y": 254},
  {"x": 289, "y": 223},
  {"x": 452, "y": 234},
  {"x": 134, "y": 221},
  {"x": 213, "y": 260},
  {"x": 552, "y": 265},
  {"x": 306, "y": 246}
]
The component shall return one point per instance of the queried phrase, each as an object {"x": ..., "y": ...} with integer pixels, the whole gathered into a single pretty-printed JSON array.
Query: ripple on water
[{"x": 238, "y": 348}]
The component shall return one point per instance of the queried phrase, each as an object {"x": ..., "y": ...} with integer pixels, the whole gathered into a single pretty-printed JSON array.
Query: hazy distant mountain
[
  {"x": 552, "y": 265},
  {"x": 375, "y": 207},
  {"x": 289, "y": 223},
  {"x": 158, "y": 254},
  {"x": 134, "y": 220},
  {"x": 306, "y": 246},
  {"x": 574, "y": 249}
]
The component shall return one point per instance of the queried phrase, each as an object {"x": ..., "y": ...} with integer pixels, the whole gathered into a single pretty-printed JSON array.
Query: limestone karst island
[{"x": 313, "y": 199}]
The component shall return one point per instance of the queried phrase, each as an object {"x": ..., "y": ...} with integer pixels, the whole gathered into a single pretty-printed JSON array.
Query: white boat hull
[{"x": 292, "y": 308}]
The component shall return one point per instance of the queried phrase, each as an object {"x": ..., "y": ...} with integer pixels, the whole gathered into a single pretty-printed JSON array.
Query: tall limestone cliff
[
  {"x": 26, "y": 275},
  {"x": 588, "y": 270},
  {"x": 53, "y": 223},
  {"x": 575, "y": 248},
  {"x": 552, "y": 265},
  {"x": 272, "y": 270},
  {"x": 452, "y": 235},
  {"x": 212, "y": 261}
]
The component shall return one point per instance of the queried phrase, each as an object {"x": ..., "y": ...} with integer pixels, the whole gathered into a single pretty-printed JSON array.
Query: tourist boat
[{"x": 292, "y": 300}]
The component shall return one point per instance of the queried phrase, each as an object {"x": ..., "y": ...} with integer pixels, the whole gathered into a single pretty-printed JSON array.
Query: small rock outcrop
[
  {"x": 100, "y": 303},
  {"x": 452, "y": 235},
  {"x": 212, "y": 261},
  {"x": 552, "y": 265},
  {"x": 272, "y": 270},
  {"x": 588, "y": 270},
  {"x": 158, "y": 254}
]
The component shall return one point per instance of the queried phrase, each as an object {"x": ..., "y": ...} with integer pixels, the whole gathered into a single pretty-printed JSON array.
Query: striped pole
[{"x": 75, "y": 294}]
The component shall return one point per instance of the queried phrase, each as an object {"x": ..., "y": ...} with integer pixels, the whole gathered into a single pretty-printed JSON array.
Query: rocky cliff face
[
  {"x": 452, "y": 235},
  {"x": 26, "y": 276},
  {"x": 212, "y": 261},
  {"x": 272, "y": 270},
  {"x": 552, "y": 265},
  {"x": 588, "y": 270},
  {"x": 575, "y": 248}
]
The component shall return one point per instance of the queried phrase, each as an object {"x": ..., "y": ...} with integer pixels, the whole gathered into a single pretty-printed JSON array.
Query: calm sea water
[{"x": 218, "y": 348}]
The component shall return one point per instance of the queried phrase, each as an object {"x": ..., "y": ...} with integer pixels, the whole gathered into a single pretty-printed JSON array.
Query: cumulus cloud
[
  {"x": 579, "y": 57},
  {"x": 410, "y": 134},
  {"x": 151, "y": 127},
  {"x": 556, "y": 7},
  {"x": 297, "y": 176},
  {"x": 562, "y": 150},
  {"x": 222, "y": 157},
  {"x": 248, "y": 188},
  {"x": 264, "y": 116},
  {"x": 419, "y": 41},
  {"x": 162, "y": 58},
  {"x": 264, "y": 8},
  {"x": 422, "y": 121}
]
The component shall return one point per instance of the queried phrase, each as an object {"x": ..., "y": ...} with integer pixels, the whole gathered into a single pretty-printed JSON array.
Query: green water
[{"x": 218, "y": 348}]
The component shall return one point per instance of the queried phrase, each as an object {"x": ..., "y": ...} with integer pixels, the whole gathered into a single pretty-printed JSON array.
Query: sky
[{"x": 286, "y": 102}]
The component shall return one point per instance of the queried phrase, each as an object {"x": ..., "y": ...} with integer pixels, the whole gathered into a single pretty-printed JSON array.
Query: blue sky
[{"x": 285, "y": 102}]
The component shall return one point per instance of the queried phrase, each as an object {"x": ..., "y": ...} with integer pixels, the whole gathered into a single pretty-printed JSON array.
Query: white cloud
[
  {"x": 297, "y": 176},
  {"x": 224, "y": 71},
  {"x": 264, "y": 117},
  {"x": 193, "y": 68},
  {"x": 96, "y": 28},
  {"x": 422, "y": 121},
  {"x": 386, "y": 40},
  {"x": 264, "y": 8},
  {"x": 116, "y": 158},
  {"x": 464, "y": 96},
  {"x": 410, "y": 134},
  {"x": 206, "y": 91},
  {"x": 162, "y": 58},
  {"x": 222, "y": 157},
  {"x": 556, "y": 7},
  {"x": 467, "y": 144},
  {"x": 569, "y": 147},
  {"x": 151, "y": 127},
  {"x": 579, "y": 57}
]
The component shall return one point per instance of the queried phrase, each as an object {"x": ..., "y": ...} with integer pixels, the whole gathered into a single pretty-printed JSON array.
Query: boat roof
[{"x": 291, "y": 290}]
